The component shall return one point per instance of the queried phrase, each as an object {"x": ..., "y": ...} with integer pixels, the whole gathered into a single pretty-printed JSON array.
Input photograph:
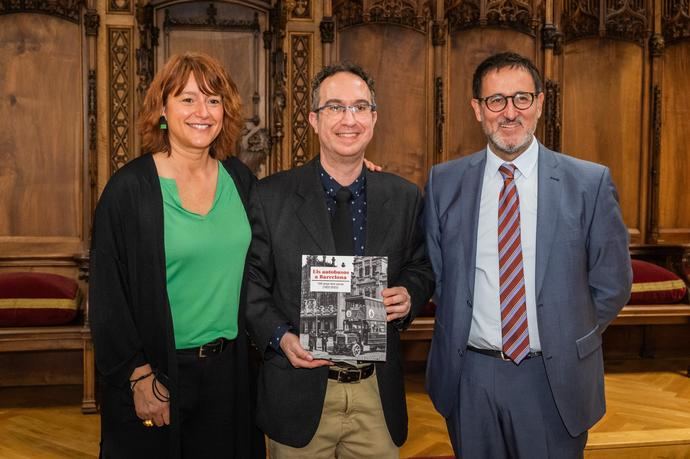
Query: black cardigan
[{"x": 129, "y": 311}]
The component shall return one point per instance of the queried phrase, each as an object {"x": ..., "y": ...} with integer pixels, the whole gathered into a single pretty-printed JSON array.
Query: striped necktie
[{"x": 511, "y": 272}]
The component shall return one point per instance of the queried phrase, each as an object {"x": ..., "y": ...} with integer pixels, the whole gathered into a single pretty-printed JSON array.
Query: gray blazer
[{"x": 583, "y": 276}]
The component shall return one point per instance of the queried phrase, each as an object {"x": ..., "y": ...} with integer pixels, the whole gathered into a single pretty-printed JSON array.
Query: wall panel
[
  {"x": 602, "y": 91},
  {"x": 397, "y": 59},
  {"x": 41, "y": 140},
  {"x": 674, "y": 206}
]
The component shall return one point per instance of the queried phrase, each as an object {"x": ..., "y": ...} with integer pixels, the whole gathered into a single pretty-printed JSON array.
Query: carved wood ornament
[{"x": 414, "y": 14}]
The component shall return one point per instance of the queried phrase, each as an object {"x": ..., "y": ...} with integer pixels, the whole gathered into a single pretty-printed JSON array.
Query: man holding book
[{"x": 333, "y": 206}]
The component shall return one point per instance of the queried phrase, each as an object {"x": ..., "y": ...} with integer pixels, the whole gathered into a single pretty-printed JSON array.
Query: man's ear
[
  {"x": 314, "y": 121},
  {"x": 477, "y": 107}
]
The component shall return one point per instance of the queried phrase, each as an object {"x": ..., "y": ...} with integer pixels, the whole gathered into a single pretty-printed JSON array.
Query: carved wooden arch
[
  {"x": 627, "y": 20},
  {"x": 413, "y": 14},
  {"x": 520, "y": 15},
  {"x": 675, "y": 21}
]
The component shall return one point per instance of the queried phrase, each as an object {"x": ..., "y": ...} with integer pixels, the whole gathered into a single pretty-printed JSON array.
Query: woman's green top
[{"x": 204, "y": 260}]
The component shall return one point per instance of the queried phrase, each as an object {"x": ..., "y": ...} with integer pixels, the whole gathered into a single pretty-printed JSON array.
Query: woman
[{"x": 170, "y": 237}]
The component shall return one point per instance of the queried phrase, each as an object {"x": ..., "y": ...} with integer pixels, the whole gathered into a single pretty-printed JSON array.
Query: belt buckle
[
  {"x": 214, "y": 347},
  {"x": 349, "y": 371},
  {"x": 202, "y": 354},
  {"x": 504, "y": 358}
]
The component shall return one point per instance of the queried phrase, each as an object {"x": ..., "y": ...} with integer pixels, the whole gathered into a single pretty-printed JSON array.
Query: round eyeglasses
[
  {"x": 498, "y": 102},
  {"x": 336, "y": 110}
]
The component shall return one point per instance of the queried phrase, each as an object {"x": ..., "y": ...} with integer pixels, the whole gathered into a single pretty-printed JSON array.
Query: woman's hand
[
  {"x": 371, "y": 166},
  {"x": 150, "y": 405}
]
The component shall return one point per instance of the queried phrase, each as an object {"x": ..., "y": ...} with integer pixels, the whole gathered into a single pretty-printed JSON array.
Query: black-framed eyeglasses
[
  {"x": 358, "y": 109},
  {"x": 498, "y": 102}
]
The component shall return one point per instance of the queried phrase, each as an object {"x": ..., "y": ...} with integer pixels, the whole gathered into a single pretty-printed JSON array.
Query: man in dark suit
[
  {"x": 333, "y": 205},
  {"x": 531, "y": 260}
]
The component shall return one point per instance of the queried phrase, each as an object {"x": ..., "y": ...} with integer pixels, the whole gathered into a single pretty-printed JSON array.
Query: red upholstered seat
[
  {"x": 653, "y": 284},
  {"x": 37, "y": 299}
]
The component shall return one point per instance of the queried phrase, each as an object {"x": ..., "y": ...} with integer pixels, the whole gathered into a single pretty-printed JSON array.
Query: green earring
[{"x": 162, "y": 123}]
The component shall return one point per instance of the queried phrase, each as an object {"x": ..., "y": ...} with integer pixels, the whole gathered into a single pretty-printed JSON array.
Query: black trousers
[{"x": 207, "y": 415}]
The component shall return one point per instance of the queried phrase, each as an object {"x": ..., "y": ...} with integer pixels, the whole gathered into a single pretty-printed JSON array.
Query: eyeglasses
[
  {"x": 497, "y": 102},
  {"x": 359, "y": 109}
]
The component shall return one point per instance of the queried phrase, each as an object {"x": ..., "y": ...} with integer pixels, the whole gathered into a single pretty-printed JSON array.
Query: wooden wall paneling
[
  {"x": 233, "y": 34},
  {"x": 121, "y": 107},
  {"x": 674, "y": 158},
  {"x": 603, "y": 116},
  {"x": 398, "y": 58},
  {"x": 467, "y": 49},
  {"x": 301, "y": 71},
  {"x": 41, "y": 143}
]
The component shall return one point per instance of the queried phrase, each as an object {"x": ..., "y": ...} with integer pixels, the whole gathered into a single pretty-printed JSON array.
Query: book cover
[{"x": 342, "y": 316}]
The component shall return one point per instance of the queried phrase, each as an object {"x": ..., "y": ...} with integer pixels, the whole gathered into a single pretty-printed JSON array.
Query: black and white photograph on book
[{"x": 342, "y": 316}]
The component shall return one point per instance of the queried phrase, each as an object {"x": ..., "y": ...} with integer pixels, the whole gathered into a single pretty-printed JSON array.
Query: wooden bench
[
  {"x": 75, "y": 336},
  {"x": 676, "y": 258}
]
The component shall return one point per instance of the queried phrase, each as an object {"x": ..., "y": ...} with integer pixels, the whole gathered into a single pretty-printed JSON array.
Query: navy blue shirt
[{"x": 359, "y": 226}]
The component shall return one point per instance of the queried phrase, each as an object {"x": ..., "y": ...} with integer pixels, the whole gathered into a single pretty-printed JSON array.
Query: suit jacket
[
  {"x": 583, "y": 276},
  {"x": 289, "y": 218}
]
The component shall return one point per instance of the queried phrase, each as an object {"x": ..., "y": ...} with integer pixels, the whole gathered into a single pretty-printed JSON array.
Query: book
[{"x": 342, "y": 316}]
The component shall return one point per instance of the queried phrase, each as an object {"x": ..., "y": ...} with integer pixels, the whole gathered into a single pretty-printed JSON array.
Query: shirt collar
[
  {"x": 331, "y": 186},
  {"x": 525, "y": 163}
]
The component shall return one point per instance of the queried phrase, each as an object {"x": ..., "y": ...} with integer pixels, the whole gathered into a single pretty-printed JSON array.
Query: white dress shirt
[{"x": 485, "y": 331}]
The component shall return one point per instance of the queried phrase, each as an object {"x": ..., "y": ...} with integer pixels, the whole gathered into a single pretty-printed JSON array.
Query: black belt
[
  {"x": 350, "y": 375},
  {"x": 213, "y": 348},
  {"x": 499, "y": 354}
]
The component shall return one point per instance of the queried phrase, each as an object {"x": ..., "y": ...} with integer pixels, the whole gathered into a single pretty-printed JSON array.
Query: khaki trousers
[{"x": 352, "y": 426}]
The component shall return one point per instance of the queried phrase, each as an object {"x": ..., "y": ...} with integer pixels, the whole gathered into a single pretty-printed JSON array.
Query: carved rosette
[
  {"x": 91, "y": 22},
  {"x": 551, "y": 38},
  {"x": 552, "y": 115},
  {"x": 64, "y": 9},
  {"x": 300, "y": 46},
  {"x": 119, "y": 6},
  {"x": 301, "y": 10},
  {"x": 415, "y": 14},
  {"x": 675, "y": 20},
  {"x": 511, "y": 13},
  {"x": 462, "y": 15},
  {"x": 656, "y": 45},
  {"x": 580, "y": 19},
  {"x": 327, "y": 29},
  {"x": 438, "y": 33},
  {"x": 119, "y": 42},
  {"x": 626, "y": 20}
]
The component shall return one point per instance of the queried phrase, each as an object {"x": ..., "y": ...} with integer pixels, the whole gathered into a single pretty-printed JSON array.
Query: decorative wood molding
[
  {"x": 69, "y": 10},
  {"x": 552, "y": 115},
  {"x": 580, "y": 19},
  {"x": 148, "y": 40},
  {"x": 119, "y": 6},
  {"x": 464, "y": 14},
  {"x": 92, "y": 115},
  {"x": 654, "y": 170},
  {"x": 627, "y": 20},
  {"x": 327, "y": 29},
  {"x": 211, "y": 21},
  {"x": 300, "y": 46},
  {"x": 91, "y": 22},
  {"x": 551, "y": 38},
  {"x": 301, "y": 10},
  {"x": 414, "y": 14},
  {"x": 438, "y": 33},
  {"x": 656, "y": 45},
  {"x": 120, "y": 65},
  {"x": 440, "y": 118},
  {"x": 624, "y": 19},
  {"x": 278, "y": 23},
  {"x": 675, "y": 20}
]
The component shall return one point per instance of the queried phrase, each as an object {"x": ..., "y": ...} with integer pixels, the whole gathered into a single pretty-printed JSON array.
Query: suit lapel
[
  {"x": 470, "y": 197},
  {"x": 548, "y": 202},
  {"x": 311, "y": 209},
  {"x": 379, "y": 214}
]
